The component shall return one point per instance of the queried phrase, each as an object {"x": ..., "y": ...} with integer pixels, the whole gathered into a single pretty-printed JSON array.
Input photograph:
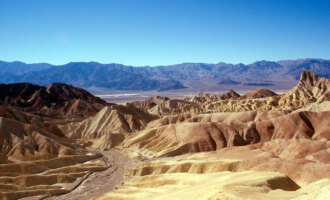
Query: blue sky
[{"x": 162, "y": 32}]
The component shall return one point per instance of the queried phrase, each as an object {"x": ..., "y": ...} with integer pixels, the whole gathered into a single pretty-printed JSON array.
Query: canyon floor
[{"x": 60, "y": 142}]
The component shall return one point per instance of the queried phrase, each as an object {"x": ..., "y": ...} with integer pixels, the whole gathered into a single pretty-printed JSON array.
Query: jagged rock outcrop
[
  {"x": 150, "y": 103},
  {"x": 259, "y": 93},
  {"x": 311, "y": 89},
  {"x": 204, "y": 97},
  {"x": 160, "y": 105}
]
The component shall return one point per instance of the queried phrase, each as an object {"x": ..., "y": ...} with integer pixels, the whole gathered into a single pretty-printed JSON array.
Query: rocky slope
[
  {"x": 192, "y": 132},
  {"x": 276, "y": 148},
  {"x": 176, "y": 135},
  {"x": 160, "y": 105},
  {"x": 311, "y": 89},
  {"x": 37, "y": 159},
  {"x": 204, "y": 97},
  {"x": 55, "y": 99},
  {"x": 259, "y": 93},
  {"x": 213, "y": 146},
  {"x": 108, "y": 127},
  {"x": 267, "y": 171},
  {"x": 46, "y": 156}
]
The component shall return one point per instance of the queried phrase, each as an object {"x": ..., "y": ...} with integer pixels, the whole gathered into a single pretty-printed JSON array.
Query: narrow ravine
[{"x": 99, "y": 183}]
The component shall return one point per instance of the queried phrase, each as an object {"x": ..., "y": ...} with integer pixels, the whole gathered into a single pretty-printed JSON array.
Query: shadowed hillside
[{"x": 54, "y": 99}]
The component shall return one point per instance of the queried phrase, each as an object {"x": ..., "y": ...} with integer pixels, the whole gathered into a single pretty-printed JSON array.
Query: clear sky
[{"x": 162, "y": 32}]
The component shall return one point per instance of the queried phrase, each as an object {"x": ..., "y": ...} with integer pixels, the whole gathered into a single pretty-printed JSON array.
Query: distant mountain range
[{"x": 193, "y": 76}]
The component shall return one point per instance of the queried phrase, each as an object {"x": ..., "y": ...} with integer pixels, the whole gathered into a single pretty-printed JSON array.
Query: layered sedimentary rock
[
  {"x": 204, "y": 97},
  {"x": 259, "y": 93},
  {"x": 176, "y": 135},
  {"x": 36, "y": 157},
  {"x": 279, "y": 169},
  {"x": 213, "y": 146},
  {"x": 276, "y": 147},
  {"x": 161, "y": 105},
  {"x": 108, "y": 127},
  {"x": 311, "y": 89}
]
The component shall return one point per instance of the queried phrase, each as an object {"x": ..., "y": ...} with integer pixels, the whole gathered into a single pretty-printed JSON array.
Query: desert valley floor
[{"x": 61, "y": 142}]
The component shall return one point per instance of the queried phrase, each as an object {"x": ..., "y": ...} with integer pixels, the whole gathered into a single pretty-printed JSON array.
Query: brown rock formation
[
  {"x": 310, "y": 90},
  {"x": 259, "y": 93},
  {"x": 209, "y": 132},
  {"x": 36, "y": 158},
  {"x": 224, "y": 155},
  {"x": 211, "y": 146},
  {"x": 160, "y": 105},
  {"x": 56, "y": 99},
  {"x": 109, "y": 126},
  {"x": 204, "y": 97}
]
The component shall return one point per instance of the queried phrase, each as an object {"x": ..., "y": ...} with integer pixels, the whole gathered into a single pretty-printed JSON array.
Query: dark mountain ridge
[{"x": 55, "y": 99}]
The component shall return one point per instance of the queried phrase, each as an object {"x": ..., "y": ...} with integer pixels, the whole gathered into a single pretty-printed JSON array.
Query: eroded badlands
[{"x": 260, "y": 145}]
